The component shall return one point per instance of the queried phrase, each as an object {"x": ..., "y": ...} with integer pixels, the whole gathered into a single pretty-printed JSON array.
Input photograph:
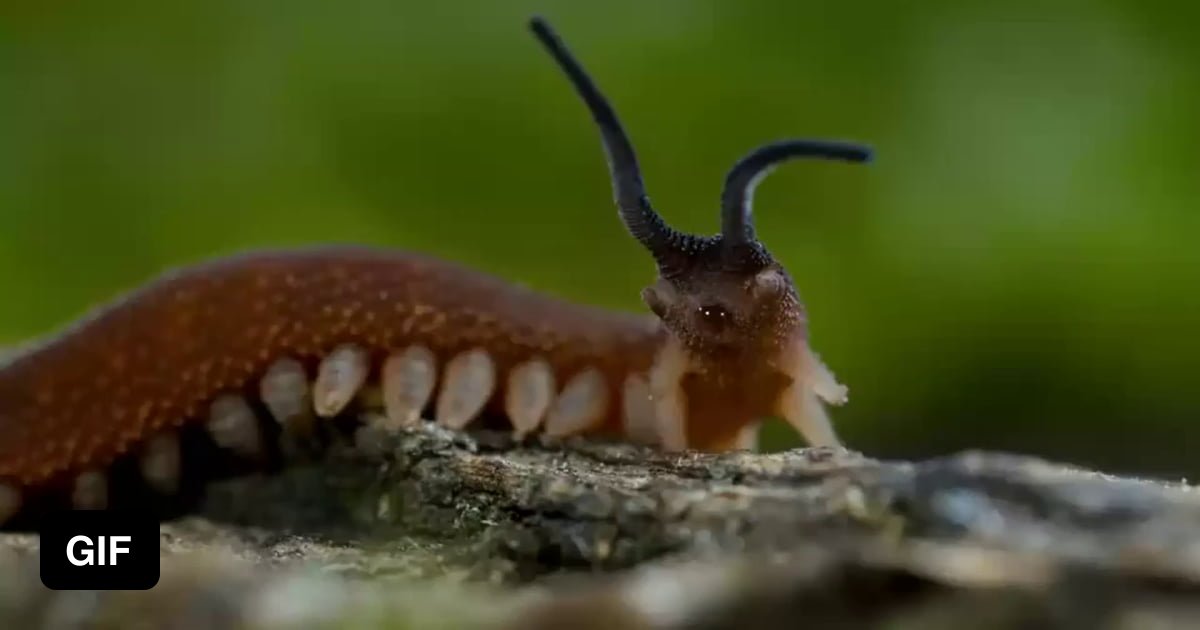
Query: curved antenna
[
  {"x": 639, "y": 217},
  {"x": 737, "y": 199}
]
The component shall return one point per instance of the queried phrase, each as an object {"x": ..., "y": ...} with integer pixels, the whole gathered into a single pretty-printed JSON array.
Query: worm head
[
  {"x": 719, "y": 312},
  {"x": 718, "y": 294}
]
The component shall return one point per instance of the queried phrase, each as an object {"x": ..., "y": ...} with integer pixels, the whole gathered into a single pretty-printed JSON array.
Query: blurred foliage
[{"x": 1017, "y": 270}]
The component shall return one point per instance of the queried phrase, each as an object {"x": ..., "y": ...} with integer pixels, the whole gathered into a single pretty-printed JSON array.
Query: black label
[{"x": 100, "y": 550}]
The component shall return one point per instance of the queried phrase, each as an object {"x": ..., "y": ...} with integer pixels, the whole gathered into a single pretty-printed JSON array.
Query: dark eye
[{"x": 714, "y": 312}]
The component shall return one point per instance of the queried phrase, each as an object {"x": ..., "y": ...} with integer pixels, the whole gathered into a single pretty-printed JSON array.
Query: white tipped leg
[
  {"x": 285, "y": 392},
  {"x": 233, "y": 425},
  {"x": 90, "y": 491},
  {"x": 580, "y": 406},
  {"x": 160, "y": 463},
  {"x": 10, "y": 502},
  {"x": 339, "y": 377},
  {"x": 467, "y": 385},
  {"x": 823, "y": 382},
  {"x": 637, "y": 411},
  {"x": 670, "y": 406},
  {"x": 408, "y": 379},
  {"x": 801, "y": 408},
  {"x": 528, "y": 396},
  {"x": 747, "y": 438}
]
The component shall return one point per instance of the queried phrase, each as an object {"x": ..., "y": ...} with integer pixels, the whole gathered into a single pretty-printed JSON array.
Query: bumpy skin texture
[
  {"x": 156, "y": 358},
  {"x": 727, "y": 345}
]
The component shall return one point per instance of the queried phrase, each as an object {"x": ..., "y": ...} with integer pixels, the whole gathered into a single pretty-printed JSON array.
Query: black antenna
[
  {"x": 672, "y": 249},
  {"x": 737, "y": 199},
  {"x": 664, "y": 242}
]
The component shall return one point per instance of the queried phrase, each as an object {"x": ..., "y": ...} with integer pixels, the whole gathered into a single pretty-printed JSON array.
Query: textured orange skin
[
  {"x": 723, "y": 400},
  {"x": 154, "y": 360}
]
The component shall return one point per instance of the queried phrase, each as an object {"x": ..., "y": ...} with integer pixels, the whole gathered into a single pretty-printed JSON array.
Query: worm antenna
[
  {"x": 639, "y": 217},
  {"x": 737, "y": 199}
]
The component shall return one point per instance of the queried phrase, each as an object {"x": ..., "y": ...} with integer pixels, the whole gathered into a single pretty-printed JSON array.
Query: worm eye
[{"x": 714, "y": 312}]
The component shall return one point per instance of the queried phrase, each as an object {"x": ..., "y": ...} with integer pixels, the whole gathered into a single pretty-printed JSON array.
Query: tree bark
[{"x": 610, "y": 535}]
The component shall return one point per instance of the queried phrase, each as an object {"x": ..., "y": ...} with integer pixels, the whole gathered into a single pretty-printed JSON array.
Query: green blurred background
[{"x": 1017, "y": 271}]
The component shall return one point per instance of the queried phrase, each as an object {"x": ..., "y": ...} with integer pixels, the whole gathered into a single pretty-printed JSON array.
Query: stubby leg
[
  {"x": 802, "y": 409},
  {"x": 670, "y": 408},
  {"x": 747, "y": 439},
  {"x": 822, "y": 380}
]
